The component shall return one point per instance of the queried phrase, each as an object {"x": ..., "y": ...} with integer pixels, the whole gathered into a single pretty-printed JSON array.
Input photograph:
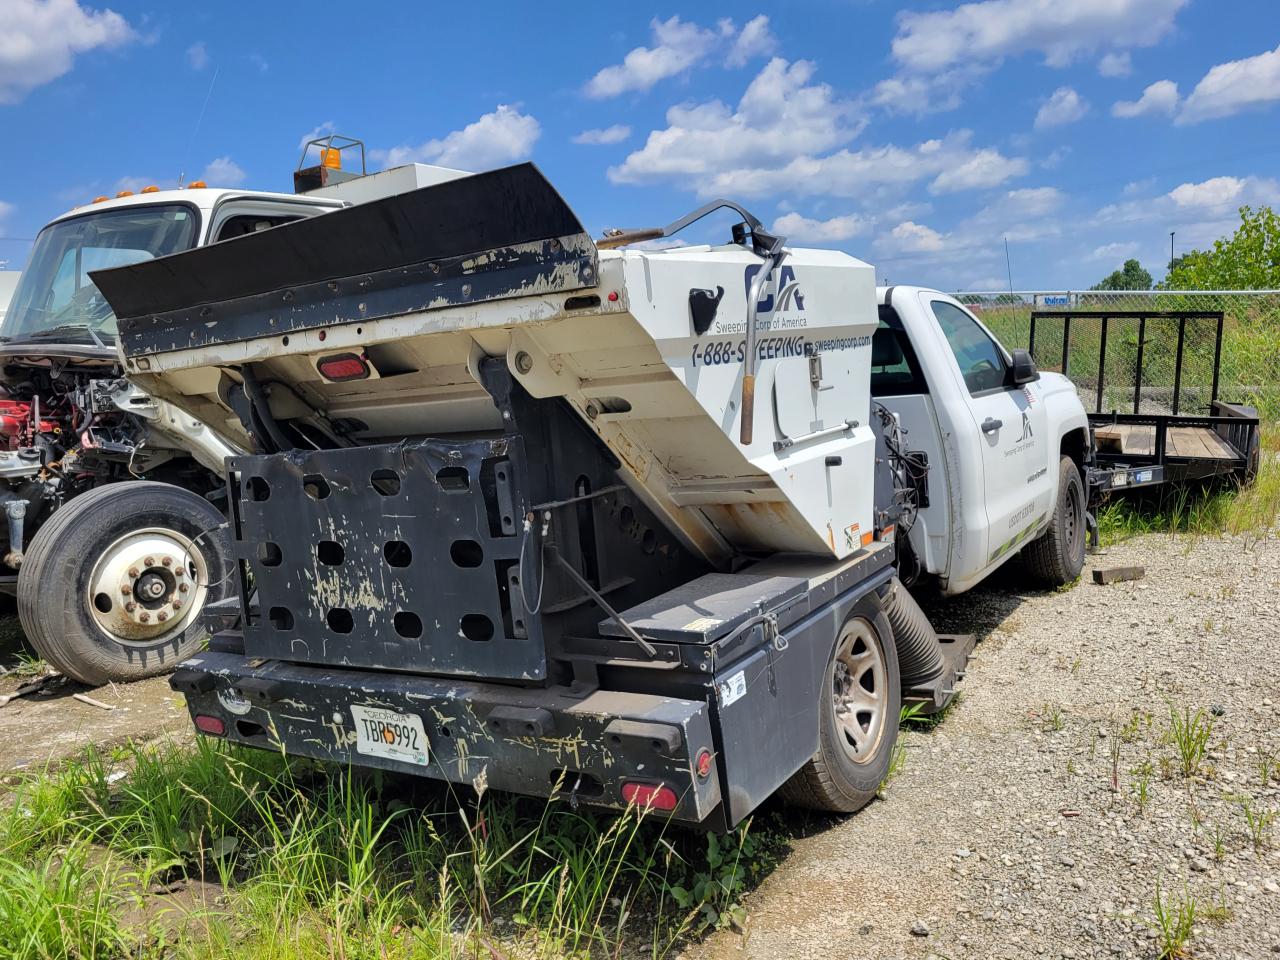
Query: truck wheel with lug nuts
[
  {"x": 1056, "y": 557},
  {"x": 857, "y": 721},
  {"x": 113, "y": 585}
]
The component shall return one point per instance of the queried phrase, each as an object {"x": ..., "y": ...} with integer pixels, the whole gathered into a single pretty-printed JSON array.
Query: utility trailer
[
  {"x": 533, "y": 512},
  {"x": 1137, "y": 361}
]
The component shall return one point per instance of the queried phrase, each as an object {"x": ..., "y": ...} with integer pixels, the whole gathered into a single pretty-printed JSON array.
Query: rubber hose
[{"x": 919, "y": 650}]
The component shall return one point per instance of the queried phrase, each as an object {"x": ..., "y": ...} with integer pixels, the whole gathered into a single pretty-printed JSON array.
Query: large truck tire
[
  {"x": 113, "y": 585},
  {"x": 858, "y": 721},
  {"x": 1056, "y": 557}
]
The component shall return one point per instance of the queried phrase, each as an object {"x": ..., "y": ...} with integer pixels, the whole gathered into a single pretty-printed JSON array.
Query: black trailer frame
[{"x": 1235, "y": 425}]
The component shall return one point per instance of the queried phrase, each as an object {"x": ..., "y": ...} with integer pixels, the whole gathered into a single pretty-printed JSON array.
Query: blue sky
[{"x": 917, "y": 137}]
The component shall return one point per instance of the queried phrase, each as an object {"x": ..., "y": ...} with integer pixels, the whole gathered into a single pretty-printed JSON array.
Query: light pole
[{"x": 1171, "y": 233}]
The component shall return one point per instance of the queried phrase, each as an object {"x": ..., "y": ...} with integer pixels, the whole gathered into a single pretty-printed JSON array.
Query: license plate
[{"x": 385, "y": 733}]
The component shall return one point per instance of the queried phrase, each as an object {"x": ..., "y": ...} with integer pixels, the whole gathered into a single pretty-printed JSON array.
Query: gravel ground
[{"x": 1038, "y": 818}]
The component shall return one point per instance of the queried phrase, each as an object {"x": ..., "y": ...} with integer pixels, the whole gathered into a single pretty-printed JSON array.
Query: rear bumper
[{"x": 537, "y": 742}]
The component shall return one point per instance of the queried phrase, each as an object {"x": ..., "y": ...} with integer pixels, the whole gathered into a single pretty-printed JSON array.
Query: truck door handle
[{"x": 991, "y": 425}]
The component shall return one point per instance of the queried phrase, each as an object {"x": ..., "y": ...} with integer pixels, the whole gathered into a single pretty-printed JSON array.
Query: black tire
[
  {"x": 831, "y": 780},
  {"x": 96, "y": 529},
  {"x": 1056, "y": 557}
]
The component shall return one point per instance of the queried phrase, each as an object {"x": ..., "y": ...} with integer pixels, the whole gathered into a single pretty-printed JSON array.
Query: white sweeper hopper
[{"x": 369, "y": 325}]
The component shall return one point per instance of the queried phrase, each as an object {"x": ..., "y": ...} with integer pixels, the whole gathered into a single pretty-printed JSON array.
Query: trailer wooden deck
[{"x": 1139, "y": 439}]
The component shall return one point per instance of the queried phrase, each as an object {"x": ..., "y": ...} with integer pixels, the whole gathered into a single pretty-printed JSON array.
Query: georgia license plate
[{"x": 385, "y": 733}]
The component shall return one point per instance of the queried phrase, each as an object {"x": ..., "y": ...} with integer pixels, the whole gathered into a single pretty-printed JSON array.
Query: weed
[
  {"x": 1217, "y": 911},
  {"x": 1115, "y": 764},
  {"x": 1267, "y": 766},
  {"x": 1133, "y": 727},
  {"x": 1071, "y": 766},
  {"x": 1219, "y": 848},
  {"x": 1173, "y": 922},
  {"x": 1258, "y": 822},
  {"x": 1142, "y": 786},
  {"x": 1051, "y": 718},
  {"x": 1076, "y": 664},
  {"x": 1190, "y": 734},
  {"x": 62, "y": 907}
]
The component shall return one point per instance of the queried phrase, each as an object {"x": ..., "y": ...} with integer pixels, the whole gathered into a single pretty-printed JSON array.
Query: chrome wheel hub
[
  {"x": 859, "y": 690},
  {"x": 147, "y": 586}
]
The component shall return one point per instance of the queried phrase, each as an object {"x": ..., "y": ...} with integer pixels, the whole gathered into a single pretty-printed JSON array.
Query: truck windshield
[{"x": 56, "y": 298}]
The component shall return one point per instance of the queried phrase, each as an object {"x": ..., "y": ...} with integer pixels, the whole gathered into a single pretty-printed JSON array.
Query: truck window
[
  {"x": 250, "y": 223},
  {"x": 980, "y": 358},
  {"x": 895, "y": 372}
]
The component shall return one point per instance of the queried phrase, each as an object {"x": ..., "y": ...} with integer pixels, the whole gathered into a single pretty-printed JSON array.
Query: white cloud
[
  {"x": 1138, "y": 186},
  {"x": 1114, "y": 252},
  {"x": 39, "y": 40},
  {"x": 224, "y": 172},
  {"x": 780, "y": 117},
  {"x": 496, "y": 139},
  {"x": 614, "y": 134},
  {"x": 320, "y": 130},
  {"x": 981, "y": 168},
  {"x": 6, "y": 209},
  {"x": 924, "y": 93},
  {"x": 1159, "y": 97},
  {"x": 679, "y": 46},
  {"x": 755, "y": 40},
  {"x": 1216, "y": 192},
  {"x": 780, "y": 137},
  {"x": 912, "y": 237},
  {"x": 259, "y": 61},
  {"x": 1231, "y": 87},
  {"x": 796, "y": 227},
  {"x": 1053, "y": 159},
  {"x": 1022, "y": 215},
  {"x": 198, "y": 55},
  {"x": 991, "y": 29},
  {"x": 1116, "y": 64},
  {"x": 1063, "y": 106}
]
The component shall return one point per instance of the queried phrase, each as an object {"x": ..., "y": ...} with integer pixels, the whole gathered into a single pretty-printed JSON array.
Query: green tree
[
  {"x": 1129, "y": 277},
  {"x": 1249, "y": 259}
]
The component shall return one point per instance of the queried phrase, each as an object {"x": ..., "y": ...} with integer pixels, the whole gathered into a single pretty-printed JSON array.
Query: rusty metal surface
[{"x": 478, "y": 733}]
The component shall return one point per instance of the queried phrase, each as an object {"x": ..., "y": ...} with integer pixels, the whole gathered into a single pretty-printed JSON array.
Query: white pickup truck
[{"x": 1006, "y": 444}]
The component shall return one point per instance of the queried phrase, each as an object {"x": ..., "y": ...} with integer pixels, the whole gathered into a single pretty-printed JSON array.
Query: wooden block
[{"x": 1117, "y": 574}]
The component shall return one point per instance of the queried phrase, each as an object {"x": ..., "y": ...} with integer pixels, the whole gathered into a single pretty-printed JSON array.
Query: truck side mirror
[{"x": 1024, "y": 368}]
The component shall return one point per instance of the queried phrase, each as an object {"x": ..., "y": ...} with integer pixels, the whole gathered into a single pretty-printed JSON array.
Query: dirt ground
[
  {"x": 44, "y": 728},
  {"x": 1037, "y": 819}
]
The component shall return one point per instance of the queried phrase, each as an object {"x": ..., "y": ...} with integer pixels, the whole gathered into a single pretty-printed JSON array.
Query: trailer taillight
[
  {"x": 211, "y": 725},
  {"x": 703, "y": 763},
  {"x": 343, "y": 366},
  {"x": 653, "y": 796}
]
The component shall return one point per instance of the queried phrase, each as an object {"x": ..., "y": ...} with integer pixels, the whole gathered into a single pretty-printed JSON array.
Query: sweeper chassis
[{"x": 669, "y": 701}]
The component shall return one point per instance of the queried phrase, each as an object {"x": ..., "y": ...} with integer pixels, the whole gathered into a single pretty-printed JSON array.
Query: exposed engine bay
[{"x": 68, "y": 426}]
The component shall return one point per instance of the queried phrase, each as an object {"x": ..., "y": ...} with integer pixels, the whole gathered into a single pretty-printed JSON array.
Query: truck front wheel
[
  {"x": 857, "y": 724},
  {"x": 113, "y": 585},
  {"x": 1056, "y": 557}
]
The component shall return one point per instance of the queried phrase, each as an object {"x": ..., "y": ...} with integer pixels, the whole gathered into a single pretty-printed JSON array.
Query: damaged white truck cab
[{"x": 529, "y": 512}]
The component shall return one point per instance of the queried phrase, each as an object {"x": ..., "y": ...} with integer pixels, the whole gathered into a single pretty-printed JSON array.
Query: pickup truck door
[{"x": 1012, "y": 432}]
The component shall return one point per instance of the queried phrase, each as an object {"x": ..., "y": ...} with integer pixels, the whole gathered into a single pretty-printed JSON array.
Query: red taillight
[
  {"x": 654, "y": 796},
  {"x": 211, "y": 725},
  {"x": 703, "y": 764},
  {"x": 343, "y": 366}
]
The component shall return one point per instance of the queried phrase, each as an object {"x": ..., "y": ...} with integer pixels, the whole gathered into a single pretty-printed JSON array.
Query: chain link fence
[{"x": 1137, "y": 363}]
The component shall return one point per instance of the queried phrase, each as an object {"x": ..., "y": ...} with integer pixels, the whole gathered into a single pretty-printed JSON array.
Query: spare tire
[{"x": 112, "y": 587}]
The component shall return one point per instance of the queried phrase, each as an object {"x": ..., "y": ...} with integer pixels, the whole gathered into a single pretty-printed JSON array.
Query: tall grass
[{"x": 297, "y": 861}]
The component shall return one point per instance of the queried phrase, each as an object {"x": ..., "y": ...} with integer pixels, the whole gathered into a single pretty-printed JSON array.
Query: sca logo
[{"x": 784, "y": 281}]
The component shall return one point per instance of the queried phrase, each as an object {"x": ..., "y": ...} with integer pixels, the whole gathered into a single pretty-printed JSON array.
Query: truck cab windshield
[{"x": 55, "y": 298}]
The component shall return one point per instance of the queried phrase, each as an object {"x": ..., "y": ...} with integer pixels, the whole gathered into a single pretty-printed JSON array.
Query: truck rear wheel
[
  {"x": 113, "y": 585},
  {"x": 1056, "y": 557},
  {"x": 858, "y": 721}
]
